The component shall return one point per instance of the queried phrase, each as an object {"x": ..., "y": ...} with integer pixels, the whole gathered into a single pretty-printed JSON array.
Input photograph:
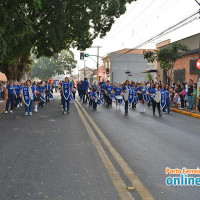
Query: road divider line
[
  {"x": 128, "y": 172},
  {"x": 113, "y": 173}
]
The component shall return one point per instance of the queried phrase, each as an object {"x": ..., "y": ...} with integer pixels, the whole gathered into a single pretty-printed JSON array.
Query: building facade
[
  {"x": 185, "y": 68},
  {"x": 127, "y": 64}
]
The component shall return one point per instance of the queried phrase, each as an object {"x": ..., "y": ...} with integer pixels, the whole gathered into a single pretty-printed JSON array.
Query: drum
[
  {"x": 119, "y": 99},
  {"x": 112, "y": 96},
  {"x": 157, "y": 97},
  {"x": 99, "y": 102}
]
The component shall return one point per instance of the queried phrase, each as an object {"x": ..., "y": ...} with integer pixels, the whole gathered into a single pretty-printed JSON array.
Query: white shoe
[
  {"x": 18, "y": 106},
  {"x": 11, "y": 111},
  {"x": 26, "y": 114},
  {"x": 35, "y": 111},
  {"x": 21, "y": 104},
  {"x": 30, "y": 113},
  {"x": 6, "y": 112}
]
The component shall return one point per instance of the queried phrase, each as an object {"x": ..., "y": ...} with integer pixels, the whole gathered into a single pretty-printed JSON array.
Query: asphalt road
[{"x": 51, "y": 156}]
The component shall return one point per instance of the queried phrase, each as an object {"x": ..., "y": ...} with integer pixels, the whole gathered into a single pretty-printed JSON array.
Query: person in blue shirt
[
  {"x": 11, "y": 96},
  {"x": 102, "y": 91},
  {"x": 117, "y": 89},
  {"x": 32, "y": 91},
  {"x": 64, "y": 101},
  {"x": 167, "y": 93},
  {"x": 90, "y": 97},
  {"x": 141, "y": 91},
  {"x": 18, "y": 98},
  {"x": 95, "y": 99},
  {"x": 48, "y": 88},
  {"x": 40, "y": 92},
  {"x": 85, "y": 90},
  {"x": 108, "y": 90}
]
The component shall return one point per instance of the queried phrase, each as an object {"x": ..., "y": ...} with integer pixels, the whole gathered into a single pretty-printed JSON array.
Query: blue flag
[
  {"x": 66, "y": 90},
  {"x": 163, "y": 100},
  {"x": 26, "y": 96}
]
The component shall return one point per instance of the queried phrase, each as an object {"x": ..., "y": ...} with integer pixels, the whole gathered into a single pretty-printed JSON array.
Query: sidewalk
[{"x": 195, "y": 114}]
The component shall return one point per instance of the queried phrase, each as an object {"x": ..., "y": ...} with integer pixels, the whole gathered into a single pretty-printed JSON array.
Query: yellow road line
[
  {"x": 141, "y": 189},
  {"x": 114, "y": 175},
  {"x": 185, "y": 113}
]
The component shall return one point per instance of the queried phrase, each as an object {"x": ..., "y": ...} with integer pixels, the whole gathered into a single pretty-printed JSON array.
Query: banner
[
  {"x": 146, "y": 98},
  {"x": 163, "y": 100},
  {"x": 50, "y": 96},
  {"x": 42, "y": 98},
  {"x": 26, "y": 96},
  {"x": 130, "y": 96},
  {"x": 66, "y": 90},
  {"x": 136, "y": 100},
  {"x": 71, "y": 99}
]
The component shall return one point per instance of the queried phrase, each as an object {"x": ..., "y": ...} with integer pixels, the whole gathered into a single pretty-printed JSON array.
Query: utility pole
[
  {"x": 84, "y": 68},
  {"x": 98, "y": 47}
]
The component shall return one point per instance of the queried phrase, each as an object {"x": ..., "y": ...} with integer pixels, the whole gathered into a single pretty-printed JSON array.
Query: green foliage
[
  {"x": 46, "y": 27},
  {"x": 44, "y": 68},
  {"x": 149, "y": 77},
  {"x": 167, "y": 57}
]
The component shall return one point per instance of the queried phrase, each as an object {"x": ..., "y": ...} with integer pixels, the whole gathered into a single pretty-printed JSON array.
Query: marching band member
[
  {"x": 155, "y": 102},
  {"x": 66, "y": 89},
  {"x": 40, "y": 93},
  {"x": 18, "y": 89},
  {"x": 117, "y": 91},
  {"x": 108, "y": 90},
  {"x": 141, "y": 91},
  {"x": 167, "y": 92},
  {"x": 95, "y": 98},
  {"x": 90, "y": 97},
  {"x": 28, "y": 92},
  {"x": 102, "y": 92},
  {"x": 47, "y": 90},
  {"x": 85, "y": 90},
  {"x": 11, "y": 96},
  {"x": 125, "y": 90}
]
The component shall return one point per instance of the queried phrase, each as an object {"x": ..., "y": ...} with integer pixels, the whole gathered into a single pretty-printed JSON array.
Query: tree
[
  {"x": 44, "y": 68},
  {"x": 47, "y": 27},
  {"x": 167, "y": 57},
  {"x": 149, "y": 77}
]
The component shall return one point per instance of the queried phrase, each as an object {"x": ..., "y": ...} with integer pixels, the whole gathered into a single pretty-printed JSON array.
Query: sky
[{"x": 143, "y": 20}]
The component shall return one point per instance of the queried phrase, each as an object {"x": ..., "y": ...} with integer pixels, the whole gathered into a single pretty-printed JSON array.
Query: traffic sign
[{"x": 198, "y": 64}]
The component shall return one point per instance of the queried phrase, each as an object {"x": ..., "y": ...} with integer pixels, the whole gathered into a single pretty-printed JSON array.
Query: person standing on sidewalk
[
  {"x": 182, "y": 95},
  {"x": 190, "y": 94},
  {"x": 11, "y": 96}
]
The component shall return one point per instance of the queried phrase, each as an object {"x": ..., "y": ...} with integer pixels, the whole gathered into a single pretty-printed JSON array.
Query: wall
[{"x": 135, "y": 63}]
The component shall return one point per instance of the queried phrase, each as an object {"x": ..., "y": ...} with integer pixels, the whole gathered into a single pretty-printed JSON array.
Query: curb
[{"x": 185, "y": 113}]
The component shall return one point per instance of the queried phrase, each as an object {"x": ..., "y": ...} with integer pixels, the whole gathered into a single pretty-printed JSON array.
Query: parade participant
[
  {"x": 135, "y": 93},
  {"x": 125, "y": 90},
  {"x": 47, "y": 91},
  {"x": 35, "y": 104},
  {"x": 18, "y": 98},
  {"x": 85, "y": 90},
  {"x": 117, "y": 91},
  {"x": 90, "y": 97},
  {"x": 167, "y": 93},
  {"x": 41, "y": 94},
  {"x": 11, "y": 96},
  {"x": 108, "y": 90},
  {"x": 95, "y": 99},
  {"x": 66, "y": 89},
  {"x": 28, "y": 92},
  {"x": 141, "y": 92},
  {"x": 102, "y": 92},
  {"x": 155, "y": 94}
]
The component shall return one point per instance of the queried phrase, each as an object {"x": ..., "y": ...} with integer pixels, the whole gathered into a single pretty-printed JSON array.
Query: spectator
[
  {"x": 182, "y": 95},
  {"x": 194, "y": 97},
  {"x": 176, "y": 99},
  {"x": 190, "y": 94}
]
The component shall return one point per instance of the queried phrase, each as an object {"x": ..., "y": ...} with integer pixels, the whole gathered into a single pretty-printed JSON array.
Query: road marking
[
  {"x": 141, "y": 189},
  {"x": 114, "y": 175}
]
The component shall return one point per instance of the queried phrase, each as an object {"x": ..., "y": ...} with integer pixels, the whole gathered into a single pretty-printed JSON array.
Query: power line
[{"x": 162, "y": 33}]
